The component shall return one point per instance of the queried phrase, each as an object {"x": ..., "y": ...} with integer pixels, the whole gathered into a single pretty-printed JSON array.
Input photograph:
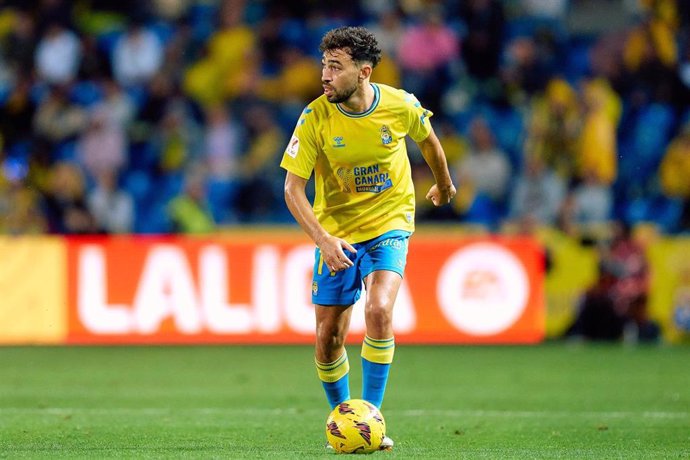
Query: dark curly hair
[{"x": 359, "y": 43}]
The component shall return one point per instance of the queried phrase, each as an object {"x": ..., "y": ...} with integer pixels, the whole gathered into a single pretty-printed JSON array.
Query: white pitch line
[{"x": 152, "y": 411}]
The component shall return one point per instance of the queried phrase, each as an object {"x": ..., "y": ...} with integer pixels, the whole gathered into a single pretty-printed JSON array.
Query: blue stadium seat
[
  {"x": 643, "y": 138},
  {"x": 137, "y": 184},
  {"x": 202, "y": 19},
  {"x": 482, "y": 211},
  {"x": 86, "y": 93},
  {"x": 508, "y": 127},
  {"x": 220, "y": 194},
  {"x": 153, "y": 219},
  {"x": 107, "y": 41},
  {"x": 163, "y": 30},
  {"x": 66, "y": 151},
  {"x": 575, "y": 61}
]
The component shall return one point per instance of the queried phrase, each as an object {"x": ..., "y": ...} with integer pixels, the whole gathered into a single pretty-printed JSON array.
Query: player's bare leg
[
  {"x": 382, "y": 288},
  {"x": 379, "y": 345},
  {"x": 332, "y": 324}
]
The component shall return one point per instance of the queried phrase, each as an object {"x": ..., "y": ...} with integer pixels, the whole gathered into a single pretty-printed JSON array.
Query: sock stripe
[
  {"x": 332, "y": 372},
  {"x": 333, "y": 365},
  {"x": 380, "y": 344},
  {"x": 380, "y": 348},
  {"x": 369, "y": 339},
  {"x": 380, "y": 352}
]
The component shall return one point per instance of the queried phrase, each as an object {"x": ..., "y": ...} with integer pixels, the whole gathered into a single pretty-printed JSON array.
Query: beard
[{"x": 339, "y": 96}]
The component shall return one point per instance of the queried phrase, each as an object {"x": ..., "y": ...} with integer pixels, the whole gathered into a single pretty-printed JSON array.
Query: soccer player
[{"x": 353, "y": 139}]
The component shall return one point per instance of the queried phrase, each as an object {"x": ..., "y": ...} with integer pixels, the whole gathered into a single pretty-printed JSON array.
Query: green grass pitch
[{"x": 559, "y": 400}]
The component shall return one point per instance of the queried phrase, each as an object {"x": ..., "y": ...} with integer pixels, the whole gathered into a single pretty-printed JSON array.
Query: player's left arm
[{"x": 443, "y": 190}]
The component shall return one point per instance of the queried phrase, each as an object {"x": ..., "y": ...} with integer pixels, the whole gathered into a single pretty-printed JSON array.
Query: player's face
[{"x": 339, "y": 75}]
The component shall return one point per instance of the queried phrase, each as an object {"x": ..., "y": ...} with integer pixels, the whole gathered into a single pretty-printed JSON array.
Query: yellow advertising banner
[
  {"x": 572, "y": 268},
  {"x": 33, "y": 287},
  {"x": 669, "y": 302}
]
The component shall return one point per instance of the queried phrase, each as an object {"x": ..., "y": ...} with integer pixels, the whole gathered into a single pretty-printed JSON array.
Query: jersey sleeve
[
  {"x": 300, "y": 154},
  {"x": 419, "y": 126}
]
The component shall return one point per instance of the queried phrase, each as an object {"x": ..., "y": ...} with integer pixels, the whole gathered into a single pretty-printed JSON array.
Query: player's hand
[
  {"x": 441, "y": 195},
  {"x": 333, "y": 253}
]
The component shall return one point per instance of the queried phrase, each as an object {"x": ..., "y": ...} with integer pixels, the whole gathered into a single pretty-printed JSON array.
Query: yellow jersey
[{"x": 362, "y": 173}]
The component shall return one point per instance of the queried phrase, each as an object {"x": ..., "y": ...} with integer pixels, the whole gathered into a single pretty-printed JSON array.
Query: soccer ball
[{"x": 355, "y": 426}]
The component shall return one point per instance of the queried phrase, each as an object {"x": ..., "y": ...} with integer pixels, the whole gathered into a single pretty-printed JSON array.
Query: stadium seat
[
  {"x": 137, "y": 184},
  {"x": 86, "y": 93}
]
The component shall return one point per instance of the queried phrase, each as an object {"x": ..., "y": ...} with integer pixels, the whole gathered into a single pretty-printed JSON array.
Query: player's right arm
[{"x": 331, "y": 247}]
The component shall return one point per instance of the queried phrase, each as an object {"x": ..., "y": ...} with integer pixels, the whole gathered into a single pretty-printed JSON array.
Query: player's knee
[
  {"x": 378, "y": 314},
  {"x": 331, "y": 338}
]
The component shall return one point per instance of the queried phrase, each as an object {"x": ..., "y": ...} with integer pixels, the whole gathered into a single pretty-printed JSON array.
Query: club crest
[{"x": 386, "y": 136}]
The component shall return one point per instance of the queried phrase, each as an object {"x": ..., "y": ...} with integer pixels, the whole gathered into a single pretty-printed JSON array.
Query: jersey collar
[{"x": 377, "y": 98}]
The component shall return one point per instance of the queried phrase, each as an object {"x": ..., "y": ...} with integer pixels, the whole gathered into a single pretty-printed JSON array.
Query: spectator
[
  {"x": 20, "y": 44},
  {"x": 189, "y": 211},
  {"x": 597, "y": 318},
  {"x": 588, "y": 206},
  {"x": 615, "y": 307},
  {"x": 524, "y": 71},
  {"x": 554, "y": 127},
  {"x": 221, "y": 143},
  {"x": 626, "y": 261},
  {"x": 233, "y": 50},
  {"x": 112, "y": 208},
  {"x": 20, "y": 213},
  {"x": 650, "y": 57},
  {"x": 292, "y": 84},
  {"x": 137, "y": 57},
  {"x": 176, "y": 139},
  {"x": 597, "y": 153},
  {"x": 57, "y": 119},
  {"x": 485, "y": 172},
  {"x": 58, "y": 55},
  {"x": 17, "y": 113},
  {"x": 102, "y": 147},
  {"x": 260, "y": 189},
  {"x": 389, "y": 30},
  {"x": 160, "y": 93},
  {"x": 481, "y": 48},
  {"x": 117, "y": 104},
  {"x": 538, "y": 193},
  {"x": 426, "y": 52},
  {"x": 554, "y": 10},
  {"x": 64, "y": 201},
  {"x": 674, "y": 173}
]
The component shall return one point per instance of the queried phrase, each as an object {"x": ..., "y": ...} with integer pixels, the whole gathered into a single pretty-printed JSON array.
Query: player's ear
[{"x": 365, "y": 72}]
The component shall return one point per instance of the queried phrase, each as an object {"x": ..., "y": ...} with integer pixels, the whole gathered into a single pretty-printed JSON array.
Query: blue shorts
[{"x": 386, "y": 252}]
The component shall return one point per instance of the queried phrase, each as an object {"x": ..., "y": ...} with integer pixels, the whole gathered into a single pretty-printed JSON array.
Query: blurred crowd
[{"x": 172, "y": 115}]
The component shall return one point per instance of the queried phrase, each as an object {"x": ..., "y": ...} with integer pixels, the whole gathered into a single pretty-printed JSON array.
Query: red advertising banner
[{"x": 256, "y": 289}]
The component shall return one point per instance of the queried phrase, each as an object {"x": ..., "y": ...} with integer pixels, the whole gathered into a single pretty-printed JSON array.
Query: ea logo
[{"x": 482, "y": 289}]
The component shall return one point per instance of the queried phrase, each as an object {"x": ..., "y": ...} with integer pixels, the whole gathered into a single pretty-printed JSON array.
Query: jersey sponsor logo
[
  {"x": 371, "y": 179},
  {"x": 338, "y": 142},
  {"x": 375, "y": 188},
  {"x": 386, "y": 136},
  {"x": 293, "y": 147}
]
